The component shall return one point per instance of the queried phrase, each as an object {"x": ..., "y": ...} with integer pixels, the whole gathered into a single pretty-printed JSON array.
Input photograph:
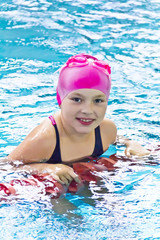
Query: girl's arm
[
  {"x": 60, "y": 172},
  {"x": 35, "y": 150},
  {"x": 132, "y": 147},
  {"x": 109, "y": 133}
]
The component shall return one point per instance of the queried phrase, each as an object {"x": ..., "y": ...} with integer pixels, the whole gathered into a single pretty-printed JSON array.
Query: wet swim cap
[{"x": 83, "y": 71}]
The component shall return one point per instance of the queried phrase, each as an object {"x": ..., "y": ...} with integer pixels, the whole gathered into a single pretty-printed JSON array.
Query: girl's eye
[
  {"x": 76, "y": 99},
  {"x": 98, "y": 100}
]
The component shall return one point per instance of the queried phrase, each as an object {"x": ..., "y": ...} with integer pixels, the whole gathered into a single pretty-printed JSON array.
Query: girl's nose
[{"x": 87, "y": 108}]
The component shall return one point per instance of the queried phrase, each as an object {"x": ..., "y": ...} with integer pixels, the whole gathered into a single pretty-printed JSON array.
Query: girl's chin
[{"x": 84, "y": 129}]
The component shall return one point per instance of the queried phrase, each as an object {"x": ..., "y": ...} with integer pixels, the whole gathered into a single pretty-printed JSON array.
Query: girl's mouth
[{"x": 85, "y": 121}]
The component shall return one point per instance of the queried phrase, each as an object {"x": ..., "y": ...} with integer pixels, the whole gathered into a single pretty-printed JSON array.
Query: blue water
[{"x": 36, "y": 38}]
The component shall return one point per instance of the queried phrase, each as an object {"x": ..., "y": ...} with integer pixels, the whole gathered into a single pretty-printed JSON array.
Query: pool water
[{"x": 36, "y": 38}]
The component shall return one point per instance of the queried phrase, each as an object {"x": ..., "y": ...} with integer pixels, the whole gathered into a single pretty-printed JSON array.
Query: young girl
[{"x": 79, "y": 131}]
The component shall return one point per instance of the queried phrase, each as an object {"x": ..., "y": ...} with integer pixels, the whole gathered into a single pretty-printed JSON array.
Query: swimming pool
[{"x": 36, "y": 38}]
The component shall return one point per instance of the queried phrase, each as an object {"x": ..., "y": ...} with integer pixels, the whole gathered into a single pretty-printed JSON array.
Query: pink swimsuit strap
[{"x": 52, "y": 120}]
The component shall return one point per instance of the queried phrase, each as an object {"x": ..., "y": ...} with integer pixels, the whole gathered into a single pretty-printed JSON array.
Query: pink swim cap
[{"x": 83, "y": 71}]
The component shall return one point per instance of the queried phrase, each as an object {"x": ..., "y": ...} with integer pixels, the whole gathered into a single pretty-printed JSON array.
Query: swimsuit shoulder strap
[
  {"x": 52, "y": 120},
  {"x": 98, "y": 148},
  {"x": 56, "y": 156}
]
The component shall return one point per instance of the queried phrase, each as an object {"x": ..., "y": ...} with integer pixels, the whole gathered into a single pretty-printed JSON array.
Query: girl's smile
[{"x": 85, "y": 121}]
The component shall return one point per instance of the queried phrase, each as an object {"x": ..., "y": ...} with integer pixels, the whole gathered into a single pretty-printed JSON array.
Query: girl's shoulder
[
  {"x": 38, "y": 144},
  {"x": 42, "y": 139},
  {"x": 108, "y": 130},
  {"x": 108, "y": 123},
  {"x": 46, "y": 131}
]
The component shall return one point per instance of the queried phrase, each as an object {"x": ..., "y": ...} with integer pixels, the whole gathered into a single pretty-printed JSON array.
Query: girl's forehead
[{"x": 87, "y": 92}]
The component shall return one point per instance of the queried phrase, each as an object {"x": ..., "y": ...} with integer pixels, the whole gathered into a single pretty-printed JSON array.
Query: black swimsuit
[{"x": 56, "y": 156}]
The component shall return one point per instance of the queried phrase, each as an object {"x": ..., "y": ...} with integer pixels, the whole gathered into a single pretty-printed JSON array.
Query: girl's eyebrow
[
  {"x": 77, "y": 94},
  {"x": 97, "y": 96},
  {"x": 81, "y": 95}
]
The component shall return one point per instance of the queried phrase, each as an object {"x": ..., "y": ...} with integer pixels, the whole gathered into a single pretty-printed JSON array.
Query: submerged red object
[
  {"x": 7, "y": 189},
  {"x": 85, "y": 170}
]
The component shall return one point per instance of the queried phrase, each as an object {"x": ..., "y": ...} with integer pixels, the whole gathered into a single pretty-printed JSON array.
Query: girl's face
[{"x": 83, "y": 110}]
